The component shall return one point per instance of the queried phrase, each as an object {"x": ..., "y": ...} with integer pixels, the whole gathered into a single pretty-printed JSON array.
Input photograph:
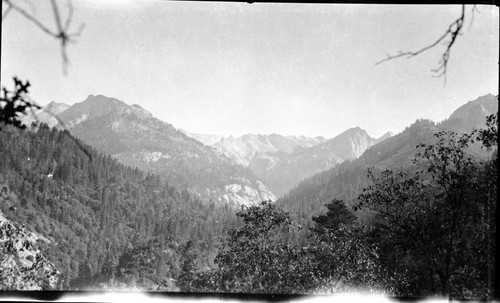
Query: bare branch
[
  {"x": 61, "y": 35},
  {"x": 62, "y": 31},
  {"x": 31, "y": 5},
  {"x": 454, "y": 30},
  {"x": 473, "y": 13},
  {"x": 57, "y": 17},
  {"x": 7, "y": 11},
  {"x": 31, "y": 18},
  {"x": 70, "y": 16}
]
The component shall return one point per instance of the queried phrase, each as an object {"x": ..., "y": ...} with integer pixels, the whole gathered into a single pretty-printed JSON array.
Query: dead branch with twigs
[
  {"x": 454, "y": 30},
  {"x": 62, "y": 30}
]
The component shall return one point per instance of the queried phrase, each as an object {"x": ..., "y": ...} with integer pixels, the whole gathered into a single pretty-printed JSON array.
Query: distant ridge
[
  {"x": 47, "y": 114},
  {"x": 383, "y": 137},
  {"x": 471, "y": 114},
  {"x": 207, "y": 139},
  {"x": 283, "y": 161},
  {"x": 242, "y": 149},
  {"x": 133, "y": 136},
  {"x": 345, "y": 181},
  {"x": 283, "y": 173}
]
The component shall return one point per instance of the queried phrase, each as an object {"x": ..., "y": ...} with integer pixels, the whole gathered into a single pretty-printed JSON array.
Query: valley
[
  {"x": 262, "y": 151},
  {"x": 126, "y": 186}
]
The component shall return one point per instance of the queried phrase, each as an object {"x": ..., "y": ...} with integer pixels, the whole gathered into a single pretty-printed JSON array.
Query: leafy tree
[
  {"x": 337, "y": 215},
  {"x": 432, "y": 219},
  {"x": 344, "y": 259},
  {"x": 188, "y": 266},
  {"x": 257, "y": 258},
  {"x": 489, "y": 136}
]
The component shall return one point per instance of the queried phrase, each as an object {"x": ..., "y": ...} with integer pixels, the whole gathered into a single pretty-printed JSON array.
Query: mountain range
[
  {"x": 282, "y": 172},
  {"x": 283, "y": 161},
  {"x": 345, "y": 181},
  {"x": 242, "y": 170},
  {"x": 136, "y": 138},
  {"x": 235, "y": 170},
  {"x": 93, "y": 217},
  {"x": 243, "y": 149}
]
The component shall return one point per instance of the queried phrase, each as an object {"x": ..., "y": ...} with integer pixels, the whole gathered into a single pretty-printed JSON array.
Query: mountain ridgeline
[
  {"x": 238, "y": 171},
  {"x": 283, "y": 173},
  {"x": 244, "y": 149},
  {"x": 281, "y": 162},
  {"x": 134, "y": 137},
  {"x": 76, "y": 216},
  {"x": 346, "y": 180}
]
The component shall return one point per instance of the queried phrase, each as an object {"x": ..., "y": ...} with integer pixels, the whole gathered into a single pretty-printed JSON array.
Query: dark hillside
[{"x": 96, "y": 211}]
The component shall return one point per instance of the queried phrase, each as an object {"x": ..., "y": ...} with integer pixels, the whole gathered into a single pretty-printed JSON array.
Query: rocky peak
[
  {"x": 472, "y": 114},
  {"x": 96, "y": 106},
  {"x": 56, "y": 108},
  {"x": 384, "y": 137},
  {"x": 482, "y": 106},
  {"x": 348, "y": 145}
]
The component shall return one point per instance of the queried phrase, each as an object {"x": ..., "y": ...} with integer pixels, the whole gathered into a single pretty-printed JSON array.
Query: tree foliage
[
  {"x": 428, "y": 230},
  {"x": 257, "y": 258},
  {"x": 345, "y": 260},
  {"x": 15, "y": 103},
  {"x": 437, "y": 219}
]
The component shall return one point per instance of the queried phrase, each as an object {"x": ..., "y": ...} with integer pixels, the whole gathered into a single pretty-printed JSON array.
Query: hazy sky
[{"x": 235, "y": 68}]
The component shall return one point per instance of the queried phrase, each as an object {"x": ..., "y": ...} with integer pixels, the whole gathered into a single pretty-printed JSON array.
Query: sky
[{"x": 235, "y": 68}]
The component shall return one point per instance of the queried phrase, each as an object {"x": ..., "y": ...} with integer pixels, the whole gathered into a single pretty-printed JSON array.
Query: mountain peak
[
  {"x": 55, "y": 108},
  {"x": 54, "y": 103},
  {"x": 99, "y": 105},
  {"x": 47, "y": 114},
  {"x": 471, "y": 114},
  {"x": 383, "y": 137},
  {"x": 101, "y": 99},
  {"x": 354, "y": 130}
]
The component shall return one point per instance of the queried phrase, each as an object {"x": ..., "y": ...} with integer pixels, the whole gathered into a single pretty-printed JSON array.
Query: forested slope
[{"x": 100, "y": 215}]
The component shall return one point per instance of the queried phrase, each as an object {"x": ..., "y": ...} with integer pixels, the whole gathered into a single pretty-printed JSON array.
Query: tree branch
[
  {"x": 453, "y": 31},
  {"x": 31, "y": 18},
  {"x": 7, "y": 11},
  {"x": 62, "y": 31}
]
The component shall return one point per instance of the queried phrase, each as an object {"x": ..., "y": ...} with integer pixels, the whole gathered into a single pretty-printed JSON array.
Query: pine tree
[{"x": 336, "y": 215}]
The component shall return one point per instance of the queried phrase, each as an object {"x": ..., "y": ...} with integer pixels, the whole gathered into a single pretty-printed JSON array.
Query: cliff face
[{"x": 22, "y": 265}]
